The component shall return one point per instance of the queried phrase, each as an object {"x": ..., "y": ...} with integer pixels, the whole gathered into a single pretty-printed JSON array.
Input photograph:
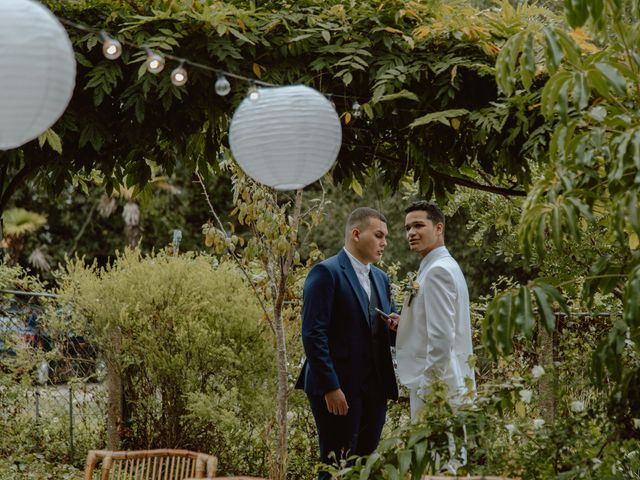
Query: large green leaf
[{"x": 441, "y": 117}]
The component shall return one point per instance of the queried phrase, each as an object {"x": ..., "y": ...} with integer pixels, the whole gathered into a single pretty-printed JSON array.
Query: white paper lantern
[
  {"x": 38, "y": 71},
  {"x": 287, "y": 138}
]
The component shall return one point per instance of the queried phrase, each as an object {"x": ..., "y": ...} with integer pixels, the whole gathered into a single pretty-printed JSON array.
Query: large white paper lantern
[
  {"x": 285, "y": 137},
  {"x": 37, "y": 71}
]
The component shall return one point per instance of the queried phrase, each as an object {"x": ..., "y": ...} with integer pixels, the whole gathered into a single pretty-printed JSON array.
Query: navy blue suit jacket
[{"x": 339, "y": 342}]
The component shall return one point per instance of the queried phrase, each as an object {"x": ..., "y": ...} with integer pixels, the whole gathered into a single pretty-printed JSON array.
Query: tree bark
[
  {"x": 280, "y": 470},
  {"x": 114, "y": 387}
]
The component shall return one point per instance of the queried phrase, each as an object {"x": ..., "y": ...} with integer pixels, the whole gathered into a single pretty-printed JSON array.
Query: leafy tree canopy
[{"x": 423, "y": 73}]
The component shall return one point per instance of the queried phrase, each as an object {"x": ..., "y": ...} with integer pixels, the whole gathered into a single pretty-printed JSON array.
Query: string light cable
[{"x": 155, "y": 62}]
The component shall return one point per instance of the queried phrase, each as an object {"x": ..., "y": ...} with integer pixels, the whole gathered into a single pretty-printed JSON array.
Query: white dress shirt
[{"x": 362, "y": 272}]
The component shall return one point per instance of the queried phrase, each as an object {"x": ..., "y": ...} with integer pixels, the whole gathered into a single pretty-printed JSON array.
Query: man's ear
[
  {"x": 355, "y": 234},
  {"x": 440, "y": 228}
]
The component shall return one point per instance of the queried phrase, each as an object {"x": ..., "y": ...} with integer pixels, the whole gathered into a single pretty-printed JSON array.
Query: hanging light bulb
[
  {"x": 222, "y": 87},
  {"x": 356, "y": 109},
  {"x": 111, "y": 48},
  {"x": 253, "y": 93},
  {"x": 155, "y": 63},
  {"x": 179, "y": 75}
]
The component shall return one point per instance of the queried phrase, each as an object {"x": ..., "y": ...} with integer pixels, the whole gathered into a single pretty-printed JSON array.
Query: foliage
[
  {"x": 18, "y": 222},
  {"x": 590, "y": 100},
  {"x": 274, "y": 221},
  {"x": 193, "y": 353},
  {"x": 423, "y": 73},
  {"x": 525, "y": 422},
  {"x": 34, "y": 466}
]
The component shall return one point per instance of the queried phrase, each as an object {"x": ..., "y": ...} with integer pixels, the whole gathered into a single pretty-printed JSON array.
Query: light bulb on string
[
  {"x": 222, "y": 87},
  {"x": 253, "y": 93},
  {"x": 155, "y": 63},
  {"x": 179, "y": 75},
  {"x": 356, "y": 109},
  {"x": 111, "y": 48}
]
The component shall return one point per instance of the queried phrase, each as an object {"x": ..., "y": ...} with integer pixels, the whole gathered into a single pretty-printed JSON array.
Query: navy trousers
[{"x": 356, "y": 433}]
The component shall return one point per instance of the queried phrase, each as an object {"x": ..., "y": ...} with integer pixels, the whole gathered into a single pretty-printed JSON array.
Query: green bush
[{"x": 185, "y": 335}]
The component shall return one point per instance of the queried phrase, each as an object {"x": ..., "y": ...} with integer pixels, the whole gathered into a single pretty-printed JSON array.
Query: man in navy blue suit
[{"x": 348, "y": 373}]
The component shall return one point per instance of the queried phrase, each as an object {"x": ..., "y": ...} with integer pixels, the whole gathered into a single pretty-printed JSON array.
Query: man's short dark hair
[
  {"x": 433, "y": 212},
  {"x": 359, "y": 218}
]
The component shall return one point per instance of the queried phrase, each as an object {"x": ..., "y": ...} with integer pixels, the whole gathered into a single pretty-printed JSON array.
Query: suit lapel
[
  {"x": 350, "y": 273},
  {"x": 377, "y": 284}
]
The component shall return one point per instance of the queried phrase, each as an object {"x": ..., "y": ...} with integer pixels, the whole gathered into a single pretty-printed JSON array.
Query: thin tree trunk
[
  {"x": 547, "y": 386},
  {"x": 281, "y": 341},
  {"x": 114, "y": 387}
]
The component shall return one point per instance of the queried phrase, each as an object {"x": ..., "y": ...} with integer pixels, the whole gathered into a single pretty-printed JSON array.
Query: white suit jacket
[{"x": 434, "y": 333}]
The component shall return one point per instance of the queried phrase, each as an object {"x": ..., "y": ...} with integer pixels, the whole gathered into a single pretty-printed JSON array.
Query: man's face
[
  {"x": 422, "y": 234},
  {"x": 370, "y": 240}
]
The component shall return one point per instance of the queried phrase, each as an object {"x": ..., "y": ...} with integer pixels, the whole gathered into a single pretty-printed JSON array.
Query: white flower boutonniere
[{"x": 412, "y": 287}]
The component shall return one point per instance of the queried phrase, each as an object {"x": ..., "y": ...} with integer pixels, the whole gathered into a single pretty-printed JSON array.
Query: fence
[{"x": 53, "y": 399}]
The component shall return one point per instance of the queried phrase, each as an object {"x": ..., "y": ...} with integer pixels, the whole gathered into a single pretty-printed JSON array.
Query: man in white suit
[{"x": 434, "y": 331}]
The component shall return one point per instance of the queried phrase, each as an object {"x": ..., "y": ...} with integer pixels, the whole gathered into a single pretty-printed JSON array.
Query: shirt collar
[
  {"x": 432, "y": 255},
  {"x": 358, "y": 266}
]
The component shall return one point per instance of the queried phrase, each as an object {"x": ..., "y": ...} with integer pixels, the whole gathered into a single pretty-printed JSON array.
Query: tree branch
[{"x": 234, "y": 255}]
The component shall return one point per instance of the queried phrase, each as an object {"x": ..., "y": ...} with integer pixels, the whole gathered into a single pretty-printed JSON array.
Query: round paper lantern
[
  {"x": 38, "y": 71},
  {"x": 285, "y": 137}
]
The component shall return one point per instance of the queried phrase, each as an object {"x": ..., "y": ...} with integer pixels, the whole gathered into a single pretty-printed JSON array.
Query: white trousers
[{"x": 416, "y": 404}]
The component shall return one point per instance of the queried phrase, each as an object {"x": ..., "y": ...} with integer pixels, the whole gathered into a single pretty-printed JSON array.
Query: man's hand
[
  {"x": 393, "y": 321},
  {"x": 336, "y": 402}
]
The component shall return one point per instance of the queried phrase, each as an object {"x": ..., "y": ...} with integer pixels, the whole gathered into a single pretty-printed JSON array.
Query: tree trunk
[
  {"x": 282, "y": 398},
  {"x": 547, "y": 386},
  {"x": 280, "y": 470},
  {"x": 114, "y": 387}
]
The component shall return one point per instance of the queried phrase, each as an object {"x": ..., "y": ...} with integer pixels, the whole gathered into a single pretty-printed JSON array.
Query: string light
[
  {"x": 111, "y": 48},
  {"x": 155, "y": 63},
  {"x": 253, "y": 93},
  {"x": 356, "y": 109},
  {"x": 222, "y": 87},
  {"x": 179, "y": 76}
]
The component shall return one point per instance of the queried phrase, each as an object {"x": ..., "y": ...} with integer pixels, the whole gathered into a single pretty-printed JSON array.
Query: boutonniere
[{"x": 412, "y": 287}]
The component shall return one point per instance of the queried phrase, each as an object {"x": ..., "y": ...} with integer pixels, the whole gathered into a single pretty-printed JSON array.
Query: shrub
[{"x": 185, "y": 336}]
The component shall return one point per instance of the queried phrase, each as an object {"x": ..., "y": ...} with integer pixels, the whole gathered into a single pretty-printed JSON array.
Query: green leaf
[
  {"x": 368, "y": 110},
  {"x": 52, "y": 138},
  {"x": 556, "y": 230},
  {"x": 404, "y": 461},
  {"x": 326, "y": 36},
  {"x": 552, "y": 90},
  {"x": 581, "y": 92},
  {"x": 527, "y": 311},
  {"x": 373, "y": 458},
  {"x": 442, "y": 117},
  {"x": 613, "y": 76},
  {"x": 632, "y": 206},
  {"x": 570, "y": 48},
  {"x": 401, "y": 94},
  {"x": 391, "y": 471},
  {"x": 527, "y": 62},
  {"x": 553, "y": 52},
  {"x": 544, "y": 308},
  {"x": 356, "y": 187}
]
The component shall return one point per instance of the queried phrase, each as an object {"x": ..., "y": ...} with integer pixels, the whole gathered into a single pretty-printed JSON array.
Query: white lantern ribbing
[
  {"x": 38, "y": 71},
  {"x": 287, "y": 138}
]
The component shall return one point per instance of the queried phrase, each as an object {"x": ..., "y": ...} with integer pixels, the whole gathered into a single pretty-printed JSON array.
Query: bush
[{"x": 185, "y": 336}]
